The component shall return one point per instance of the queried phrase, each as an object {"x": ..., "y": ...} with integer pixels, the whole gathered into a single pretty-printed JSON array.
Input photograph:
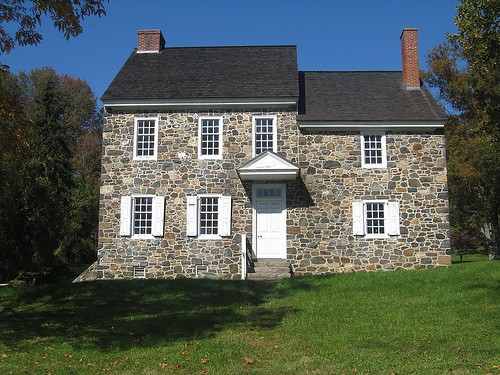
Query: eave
[
  {"x": 280, "y": 102},
  {"x": 410, "y": 125}
]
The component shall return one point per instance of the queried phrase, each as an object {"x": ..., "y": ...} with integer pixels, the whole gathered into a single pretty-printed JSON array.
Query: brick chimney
[
  {"x": 150, "y": 41},
  {"x": 409, "y": 50}
]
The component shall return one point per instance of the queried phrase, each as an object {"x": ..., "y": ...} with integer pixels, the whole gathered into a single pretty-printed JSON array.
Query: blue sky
[{"x": 330, "y": 35}]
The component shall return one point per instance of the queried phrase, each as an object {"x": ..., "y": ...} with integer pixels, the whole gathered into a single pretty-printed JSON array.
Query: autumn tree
[
  {"x": 466, "y": 72},
  {"x": 25, "y": 17}
]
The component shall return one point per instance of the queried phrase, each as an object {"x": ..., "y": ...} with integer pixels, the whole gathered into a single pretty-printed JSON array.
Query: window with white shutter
[
  {"x": 142, "y": 216},
  {"x": 375, "y": 218},
  {"x": 208, "y": 216}
]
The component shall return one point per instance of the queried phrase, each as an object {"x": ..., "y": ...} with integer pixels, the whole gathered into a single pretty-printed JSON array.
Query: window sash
[
  {"x": 374, "y": 150},
  {"x": 143, "y": 216},
  {"x": 210, "y": 138},
  {"x": 375, "y": 218},
  {"x": 209, "y": 216},
  {"x": 264, "y": 134},
  {"x": 145, "y": 139}
]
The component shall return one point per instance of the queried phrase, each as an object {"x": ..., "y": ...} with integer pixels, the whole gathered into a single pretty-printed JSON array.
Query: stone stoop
[
  {"x": 90, "y": 274},
  {"x": 269, "y": 269}
]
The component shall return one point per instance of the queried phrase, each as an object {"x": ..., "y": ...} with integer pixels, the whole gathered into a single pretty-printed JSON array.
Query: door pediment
[{"x": 268, "y": 166}]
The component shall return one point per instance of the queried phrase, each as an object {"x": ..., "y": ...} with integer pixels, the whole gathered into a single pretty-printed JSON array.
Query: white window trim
[
  {"x": 155, "y": 153},
  {"x": 384, "y": 149},
  {"x": 275, "y": 131},
  {"x": 193, "y": 216},
  {"x": 221, "y": 140},
  {"x": 127, "y": 216},
  {"x": 391, "y": 218}
]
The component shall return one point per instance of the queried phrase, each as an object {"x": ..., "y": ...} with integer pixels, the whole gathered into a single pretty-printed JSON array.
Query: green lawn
[{"x": 439, "y": 321}]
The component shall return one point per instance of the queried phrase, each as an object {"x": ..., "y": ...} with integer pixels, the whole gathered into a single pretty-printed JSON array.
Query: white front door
[{"x": 269, "y": 221}]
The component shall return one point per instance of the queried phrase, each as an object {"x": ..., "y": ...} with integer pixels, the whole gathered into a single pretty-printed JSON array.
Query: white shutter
[
  {"x": 225, "y": 216},
  {"x": 158, "y": 215},
  {"x": 393, "y": 219},
  {"x": 125, "y": 216},
  {"x": 358, "y": 227},
  {"x": 192, "y": 216}
]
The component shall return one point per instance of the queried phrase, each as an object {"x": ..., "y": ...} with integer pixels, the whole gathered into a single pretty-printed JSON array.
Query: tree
[
  {"x": 466, "y": 71},
  {"x": 49, "y": 173},
  {"x": 27, "y": 16}
]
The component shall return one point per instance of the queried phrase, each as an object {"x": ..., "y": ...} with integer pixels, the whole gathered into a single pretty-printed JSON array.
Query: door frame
[{"x": 255, "y": 250}]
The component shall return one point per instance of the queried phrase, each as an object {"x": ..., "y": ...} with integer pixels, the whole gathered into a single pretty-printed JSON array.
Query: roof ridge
[
  {"x": 349, "y": 71},
  {"x": 235, "y": 46}
]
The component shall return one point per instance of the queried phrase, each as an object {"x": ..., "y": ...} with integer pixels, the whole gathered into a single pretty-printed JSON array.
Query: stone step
[
  {"x": 268, "y": 276},
  {"x": 269, "y": 269},
  {"x": 271, "y": 263}
]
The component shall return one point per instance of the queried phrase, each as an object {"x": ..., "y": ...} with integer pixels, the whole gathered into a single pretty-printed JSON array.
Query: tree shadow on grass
[{"x": 124, "y": 314}]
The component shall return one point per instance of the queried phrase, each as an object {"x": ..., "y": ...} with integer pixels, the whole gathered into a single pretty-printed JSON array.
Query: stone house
[{"x": 219, "y": 159}]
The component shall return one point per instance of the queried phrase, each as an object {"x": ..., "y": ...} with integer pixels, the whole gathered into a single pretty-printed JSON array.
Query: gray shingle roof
[
  {"x": 363, "y": 96},
  {"x": 208, "y": 72}
]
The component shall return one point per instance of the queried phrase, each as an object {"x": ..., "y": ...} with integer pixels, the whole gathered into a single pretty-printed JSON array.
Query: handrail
[
  {"x": 243, "y": 256},
  {"x": 246, "y": 256}
]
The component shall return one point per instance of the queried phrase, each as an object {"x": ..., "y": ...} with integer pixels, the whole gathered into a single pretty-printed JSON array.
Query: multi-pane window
[
  {"x": 143, "y": 215},
  {"x": 210, "y": 138},
  {"x": 209, "y": 215},
  {"x": 268, "y": 193},
  {"x": 264, "y": 134},
  {"x": 373, "y": 150},
  {"x": 375, "y": 218},
  {"x": 145, "y": 139}
]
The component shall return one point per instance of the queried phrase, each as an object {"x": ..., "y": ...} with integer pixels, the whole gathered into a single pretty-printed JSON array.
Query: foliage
[
  {"x": 466, "y": 72},
  {"x": 463, "y": 242},
  {"x": 27, "y": 16},
  {"x": 405, "y": 322},
  {"x": 49, "y": 185}
]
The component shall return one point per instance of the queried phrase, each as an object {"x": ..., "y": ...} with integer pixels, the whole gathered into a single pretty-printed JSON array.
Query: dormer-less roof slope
[
  {"x": 363, "y": 97},
  {"x": 207, "y": 73}
]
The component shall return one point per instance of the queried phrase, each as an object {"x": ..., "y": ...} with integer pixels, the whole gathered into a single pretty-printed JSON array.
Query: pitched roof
[
  {"x": 208, "y": 72},
  {"x": 363, "y": 96}
]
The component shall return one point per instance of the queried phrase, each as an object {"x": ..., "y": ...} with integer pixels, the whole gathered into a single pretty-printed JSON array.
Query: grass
[{"x": 435, "y": 321}]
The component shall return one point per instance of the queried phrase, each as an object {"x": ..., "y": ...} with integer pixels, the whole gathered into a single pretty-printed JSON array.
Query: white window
[
  {"x": 373, "y": 150},
  {"x": 264, "y": 134},
  {"x": 145, "y": 138},
  {"x": 142, "y": 216},
  {"x": 377, "y": 218},
  {"x": 210, "y": 138},
  {"x": 209, "y": 216}
]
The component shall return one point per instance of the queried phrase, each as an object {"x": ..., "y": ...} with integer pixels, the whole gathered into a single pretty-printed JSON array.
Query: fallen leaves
[{"x": 248, "y": 361}]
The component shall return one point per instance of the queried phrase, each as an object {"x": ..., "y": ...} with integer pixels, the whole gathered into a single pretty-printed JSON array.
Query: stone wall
[
  {"x": 320, "y": 234},
  {"x": 319, "y": 238}
]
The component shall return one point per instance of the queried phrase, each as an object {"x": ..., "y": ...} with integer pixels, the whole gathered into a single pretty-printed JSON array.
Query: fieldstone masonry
[{"x": 320, "y": 237}]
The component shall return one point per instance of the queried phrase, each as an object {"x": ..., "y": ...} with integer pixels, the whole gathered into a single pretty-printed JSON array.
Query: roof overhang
[
  {"x": 268, "y": 167},
  {"x": 409, "y": 125},
  {"x": 280, "y": 102}
]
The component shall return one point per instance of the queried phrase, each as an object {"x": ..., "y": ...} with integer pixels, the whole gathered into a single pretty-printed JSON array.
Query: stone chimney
[
  {"x": 150, "y": 41},
  {"x": 409, "y": 50}
]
